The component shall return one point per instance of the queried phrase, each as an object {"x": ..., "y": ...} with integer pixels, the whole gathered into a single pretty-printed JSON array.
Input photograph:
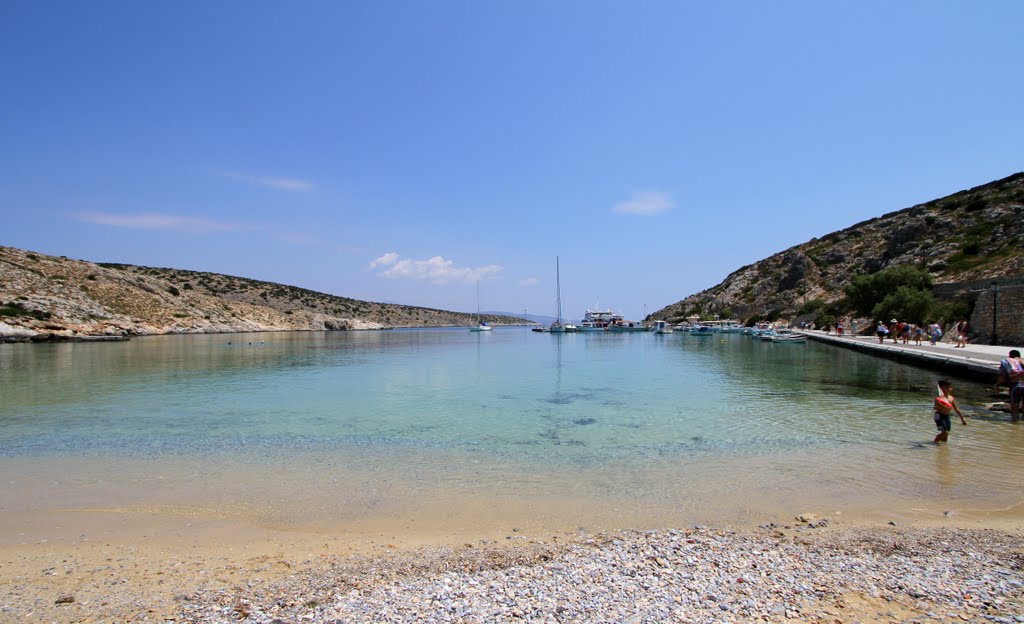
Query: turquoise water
[
  {"x": 574, "y": 398},
  {"x": 626, "y": 406}
]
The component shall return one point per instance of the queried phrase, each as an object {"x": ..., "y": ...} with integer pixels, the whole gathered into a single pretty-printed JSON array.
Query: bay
[{"x": 637, "y": 427}]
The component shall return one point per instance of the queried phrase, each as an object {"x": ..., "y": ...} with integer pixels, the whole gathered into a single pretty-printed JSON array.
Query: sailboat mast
[{"x": 558, "y": 289}]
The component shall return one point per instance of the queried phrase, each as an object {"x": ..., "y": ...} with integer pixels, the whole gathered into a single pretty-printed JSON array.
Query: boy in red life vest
[{"x": 944, "y": 405}]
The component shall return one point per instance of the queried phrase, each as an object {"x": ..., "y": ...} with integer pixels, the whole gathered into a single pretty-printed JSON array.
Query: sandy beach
[{"x": 816, "y": 569}]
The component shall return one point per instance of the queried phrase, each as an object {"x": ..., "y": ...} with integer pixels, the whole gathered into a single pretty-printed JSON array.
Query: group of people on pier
[{"x": 907, "y": 331}]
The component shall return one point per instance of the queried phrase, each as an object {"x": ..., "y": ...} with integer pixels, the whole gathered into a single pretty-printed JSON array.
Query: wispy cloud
[
  {"x": 529, "y": 281},
  {"x": 645, "y": 203},
  {"x": 438, "y": 269},
  {"x": 159, "y": 221},
  {"x": 282, "y": 184}
]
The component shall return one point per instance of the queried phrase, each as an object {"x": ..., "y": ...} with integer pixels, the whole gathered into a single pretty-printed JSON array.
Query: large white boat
[
  {"x": 606, "y": 320},
  {"x": 599, "y": 320}
]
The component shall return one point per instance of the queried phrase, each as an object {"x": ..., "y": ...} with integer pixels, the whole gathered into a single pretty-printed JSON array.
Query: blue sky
[{"x": 400, "y": 151}]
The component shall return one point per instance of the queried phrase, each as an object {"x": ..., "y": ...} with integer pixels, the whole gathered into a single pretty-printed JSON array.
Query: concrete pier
[{"x": 977, "y": 362}]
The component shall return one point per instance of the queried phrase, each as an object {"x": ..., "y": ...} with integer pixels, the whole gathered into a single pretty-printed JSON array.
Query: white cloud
[
  {"x": 385, "y": 260},
  {"x": 159, "y": 221},
  {"x": 281, "y": 184},
  {"x": 529, "y": 281},
  {"x": 645, "y": 203},
  {"x": 438, "y": 269}
]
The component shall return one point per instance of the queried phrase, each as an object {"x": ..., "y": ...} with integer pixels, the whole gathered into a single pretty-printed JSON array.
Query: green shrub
[
  {"x": 173, "y": 290},
  {"x": 906, "y": 303},
  {"x": 14, "y": 308},
  {"x": 865, "y": 292},
  {"x": 951, "y": 310},
  {"x": 976, "y": 205},
  {"x": 811, "y": 306},
  {"x": 824, "y": 319},
  {"x": 971, "y": 248}
]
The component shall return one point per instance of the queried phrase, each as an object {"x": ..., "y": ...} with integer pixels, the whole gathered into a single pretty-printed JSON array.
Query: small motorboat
[{"x": 662, "y": 327}]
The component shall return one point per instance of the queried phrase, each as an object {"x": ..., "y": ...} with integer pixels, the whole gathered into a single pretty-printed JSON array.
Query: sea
[{"x": 429, "y": 429}]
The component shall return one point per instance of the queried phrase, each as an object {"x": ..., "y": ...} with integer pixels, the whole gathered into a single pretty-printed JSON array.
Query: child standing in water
[{"x": 944, "y": 405}]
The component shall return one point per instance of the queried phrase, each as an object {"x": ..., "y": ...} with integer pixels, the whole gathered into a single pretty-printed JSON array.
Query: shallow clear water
[{"x": 630, "y": 411}]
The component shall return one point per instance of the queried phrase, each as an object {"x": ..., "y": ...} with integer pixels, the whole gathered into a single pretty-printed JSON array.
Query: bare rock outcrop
[
  {"x": 46, "y": 298},
  {"x": 971, "y": 235}
]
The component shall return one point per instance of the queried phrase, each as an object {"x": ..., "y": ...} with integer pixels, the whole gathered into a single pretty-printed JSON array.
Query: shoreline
[
  {"x": 19, "y": 335},
  {"x": 826, "y": 569}
]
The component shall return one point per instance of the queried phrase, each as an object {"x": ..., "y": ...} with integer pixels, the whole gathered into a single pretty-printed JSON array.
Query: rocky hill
[
  {"x": 46, "y": 297},
  {"x": 970, "y": 235}
]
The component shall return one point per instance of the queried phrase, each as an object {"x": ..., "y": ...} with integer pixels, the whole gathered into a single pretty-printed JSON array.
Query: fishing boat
[
  {"x": 662, "y": 327},
  {"x": 481, "y": 325},
  {"x": 788, "y": 339},
  {"x": 702, "y": 330}
]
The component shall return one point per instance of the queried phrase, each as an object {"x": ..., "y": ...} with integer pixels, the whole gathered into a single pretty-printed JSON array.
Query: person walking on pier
[
  {"x": 961, "y": 334},
  {"x": 895, "y": 329}
]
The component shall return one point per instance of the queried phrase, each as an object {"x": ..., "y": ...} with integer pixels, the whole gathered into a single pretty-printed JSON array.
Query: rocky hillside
[
  {"x": 46, "y": 297},
  {"x": 973, "y": 234}
]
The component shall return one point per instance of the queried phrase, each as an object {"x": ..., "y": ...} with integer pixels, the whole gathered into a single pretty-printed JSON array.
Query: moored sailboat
[
  {"x": 558, "y": 327},
  {"x": 481, "y": 325}
]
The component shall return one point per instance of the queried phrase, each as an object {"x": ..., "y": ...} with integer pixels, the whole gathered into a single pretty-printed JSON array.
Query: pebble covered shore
[{"x": 770, "y": 574}]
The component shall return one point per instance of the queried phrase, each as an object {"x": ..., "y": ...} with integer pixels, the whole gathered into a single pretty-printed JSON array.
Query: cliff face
[
  {"x": 46, "y": 296},
  {"x": 973, "y": 234}
]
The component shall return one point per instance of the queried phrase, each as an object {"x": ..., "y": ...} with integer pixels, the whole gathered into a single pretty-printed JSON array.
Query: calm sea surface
[{"x": 667, "y": 422}]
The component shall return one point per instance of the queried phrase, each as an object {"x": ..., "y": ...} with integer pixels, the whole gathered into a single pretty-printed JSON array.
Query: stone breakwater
[{"x": 700, "y": 575}]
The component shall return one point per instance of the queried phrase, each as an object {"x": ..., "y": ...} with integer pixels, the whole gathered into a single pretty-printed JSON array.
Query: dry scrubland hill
[
  {"x": 57, "y": 296},
  {"x": 973, "y": 234}
]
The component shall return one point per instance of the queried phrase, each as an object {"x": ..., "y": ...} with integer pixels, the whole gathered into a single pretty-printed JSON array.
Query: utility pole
[{"x": 995, "y": 302}]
